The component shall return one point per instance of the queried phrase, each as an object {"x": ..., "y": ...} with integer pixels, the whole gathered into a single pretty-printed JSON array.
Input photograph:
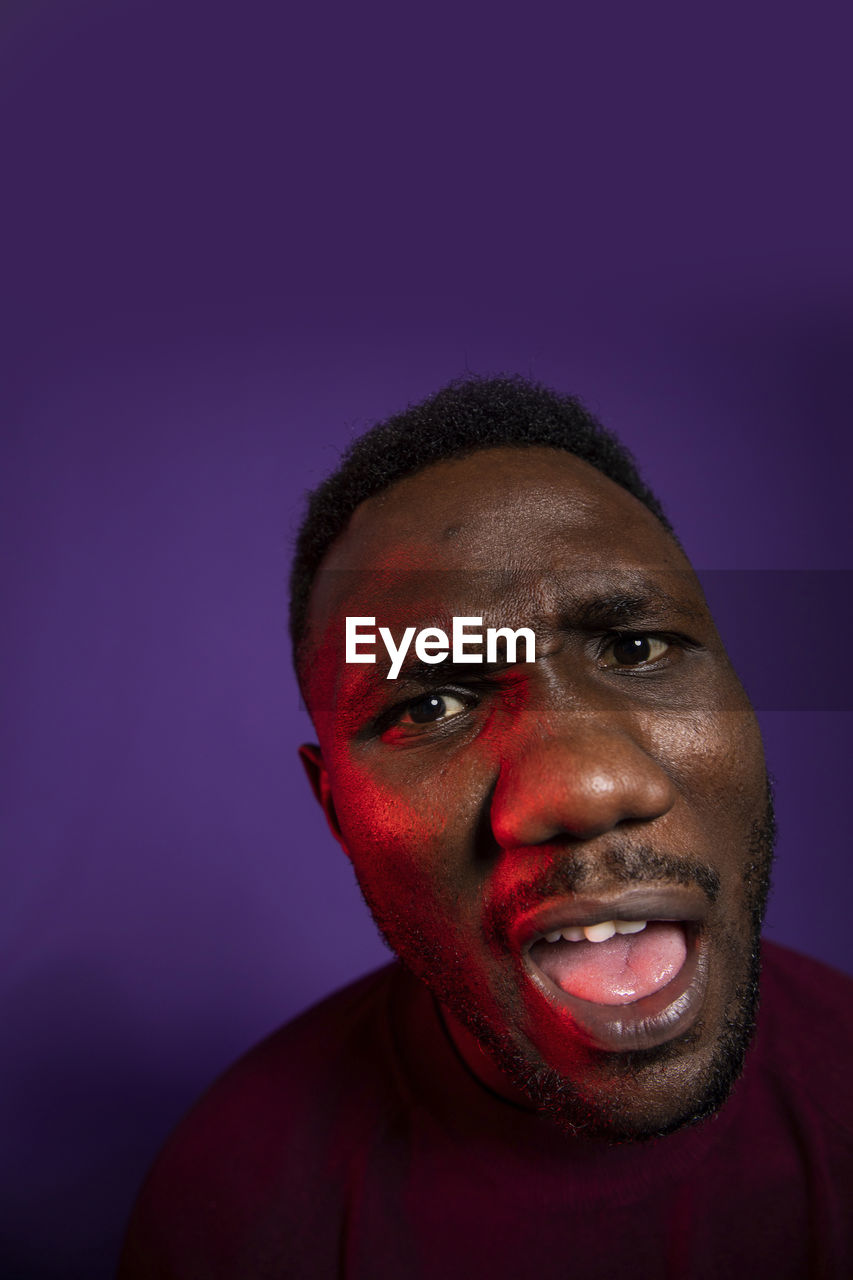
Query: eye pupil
[
  {"x": 427, "y": 709},
  {"x": 629, "y": 650}
]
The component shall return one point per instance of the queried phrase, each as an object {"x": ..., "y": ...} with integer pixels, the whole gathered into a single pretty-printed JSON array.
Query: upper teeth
[{"x": 596, "y": 932}]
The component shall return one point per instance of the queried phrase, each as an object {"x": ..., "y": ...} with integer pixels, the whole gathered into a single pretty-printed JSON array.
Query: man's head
[
  {"x": 463, "y": 418},
  {"x": 501, "y": 819}
]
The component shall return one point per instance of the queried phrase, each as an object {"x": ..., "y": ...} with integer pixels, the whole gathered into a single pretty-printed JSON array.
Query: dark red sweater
[{"x": 354, "y": 1143}]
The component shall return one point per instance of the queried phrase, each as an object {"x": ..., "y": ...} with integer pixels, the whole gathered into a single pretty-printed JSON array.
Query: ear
[{"x": 312, "y": 762}]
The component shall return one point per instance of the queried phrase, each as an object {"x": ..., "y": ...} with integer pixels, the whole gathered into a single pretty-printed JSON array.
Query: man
[{"x": 570, "y": 856}]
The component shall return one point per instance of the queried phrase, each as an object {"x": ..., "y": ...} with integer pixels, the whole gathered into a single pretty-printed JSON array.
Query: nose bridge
[{"x": 579, "y": 775}]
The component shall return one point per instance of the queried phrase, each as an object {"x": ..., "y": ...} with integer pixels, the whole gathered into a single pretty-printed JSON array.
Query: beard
[
  {"x": 578, "y": 1112},
  {"x": 607, "y": 1113}
]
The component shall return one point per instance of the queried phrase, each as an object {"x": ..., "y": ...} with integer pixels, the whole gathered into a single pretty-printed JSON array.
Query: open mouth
[
  {"x": 612, "y": 962},
  {"x": 628, "y": 972}
]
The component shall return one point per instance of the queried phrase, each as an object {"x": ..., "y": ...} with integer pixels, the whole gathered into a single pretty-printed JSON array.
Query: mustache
[{"x": 620, "y": 864}]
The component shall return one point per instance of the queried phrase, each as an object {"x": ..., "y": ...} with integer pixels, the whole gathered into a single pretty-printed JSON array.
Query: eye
[
  {"x": 433, "y": 708},
  {"x": 634, "y": 650}
]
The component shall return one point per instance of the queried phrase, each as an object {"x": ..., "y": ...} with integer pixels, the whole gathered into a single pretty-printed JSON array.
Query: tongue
[{"x": 626, "y": 967}]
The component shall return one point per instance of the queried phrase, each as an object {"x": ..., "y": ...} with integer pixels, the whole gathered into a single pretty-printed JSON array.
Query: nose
[{"x": 579, "y": 780}]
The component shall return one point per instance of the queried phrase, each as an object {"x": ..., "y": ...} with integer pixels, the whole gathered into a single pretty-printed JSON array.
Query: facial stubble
[{"x": 604, "y": 1113}]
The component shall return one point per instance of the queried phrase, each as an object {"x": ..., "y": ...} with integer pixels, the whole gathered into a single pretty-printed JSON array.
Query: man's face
[{"x": 496, "y": 817}]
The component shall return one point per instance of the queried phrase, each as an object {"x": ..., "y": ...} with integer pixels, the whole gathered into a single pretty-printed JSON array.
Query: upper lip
[{"x": 640, "y": 902}]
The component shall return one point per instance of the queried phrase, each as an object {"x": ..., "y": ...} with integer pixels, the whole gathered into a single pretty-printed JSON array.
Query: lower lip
[{"x": 644, "y": 1024}]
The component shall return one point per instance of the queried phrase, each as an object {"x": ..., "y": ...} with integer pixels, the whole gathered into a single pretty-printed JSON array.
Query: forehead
[
  {"x": 485, "y": 509},
  {"x": 480, "y": 523}
]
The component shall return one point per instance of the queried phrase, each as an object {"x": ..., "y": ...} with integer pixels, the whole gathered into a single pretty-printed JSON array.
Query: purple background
[{"x": 233, "y": 236}]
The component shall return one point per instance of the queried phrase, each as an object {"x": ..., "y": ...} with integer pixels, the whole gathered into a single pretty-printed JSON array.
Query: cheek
[
  {"x": 727, "y": 752},
  {"x": 716, "y": 761},
  {"x": 406, "y": 835}
]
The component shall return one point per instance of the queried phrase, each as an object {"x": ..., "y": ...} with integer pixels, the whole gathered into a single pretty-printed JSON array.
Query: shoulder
[
  {"x": 335, "y": 1050},
  {"x": 806, "y": 1030},
  {"x": 796, "y": 986},
  {"x": 286, "y": 1119}
]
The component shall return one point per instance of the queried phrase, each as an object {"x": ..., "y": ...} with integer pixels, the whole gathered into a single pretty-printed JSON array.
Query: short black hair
[{"x": 465, "y": 416}]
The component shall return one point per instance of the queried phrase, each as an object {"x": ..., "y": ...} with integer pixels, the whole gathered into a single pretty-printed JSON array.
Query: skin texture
[{"x": 556, "y": 784}]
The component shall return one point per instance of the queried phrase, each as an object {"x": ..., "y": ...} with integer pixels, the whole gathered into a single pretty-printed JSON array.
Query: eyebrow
[
  {"x": 435, "y": 673},
  {"x": 430, "y": 675},
  {"x": 623, "y": 607}
]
